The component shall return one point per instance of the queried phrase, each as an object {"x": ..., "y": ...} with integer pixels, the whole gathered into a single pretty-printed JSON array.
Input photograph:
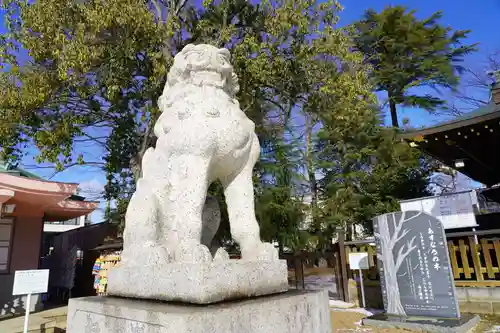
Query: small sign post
[
  {"x": 359, "y": 261},
  {"x": 27, "y": 283}
]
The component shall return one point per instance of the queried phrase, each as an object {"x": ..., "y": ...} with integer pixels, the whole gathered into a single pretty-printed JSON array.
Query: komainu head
[
  {"x": 204, "y": 64},
  {"x": 195, "y": 66}
]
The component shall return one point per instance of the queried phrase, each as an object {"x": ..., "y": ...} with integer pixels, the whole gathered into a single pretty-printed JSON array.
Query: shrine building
[
  {"x": 469, "y": 143},
  {"x": 26, "y": 203}
]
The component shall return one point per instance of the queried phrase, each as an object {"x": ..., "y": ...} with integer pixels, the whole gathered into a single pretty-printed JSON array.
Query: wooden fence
[{"x": 474, "y": 263}]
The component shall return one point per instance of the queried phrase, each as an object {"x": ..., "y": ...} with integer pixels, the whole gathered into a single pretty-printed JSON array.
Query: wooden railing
[{"x": 474, "y": 263}]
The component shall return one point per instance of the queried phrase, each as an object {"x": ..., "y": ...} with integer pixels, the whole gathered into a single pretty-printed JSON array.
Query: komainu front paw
[
  {"x": 221, "y": 255},
  {"x": 260, "y": 252},
  {"x": 192, "y": 253}
]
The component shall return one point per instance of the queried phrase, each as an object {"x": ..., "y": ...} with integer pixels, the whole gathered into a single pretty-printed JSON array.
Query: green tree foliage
[
  {"x": 406, "y": 52},
  {"x": 94, "y": 71},
  {"x": 280, "y": 209},
  {"x": 366, "y": 176}
]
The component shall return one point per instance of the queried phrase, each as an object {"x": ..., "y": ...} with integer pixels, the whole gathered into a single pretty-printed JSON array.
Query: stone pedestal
[
  {"x": 200, "y": 283},
  {"x": 290, "y": 312}
]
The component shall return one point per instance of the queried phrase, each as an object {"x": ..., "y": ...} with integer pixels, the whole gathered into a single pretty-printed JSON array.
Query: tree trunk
[
  {"x": 310, "y": 168},
  {"x": 394, "y": 112},
  {"x": 136, "y": 161},
  {"x": 348, "y": 232}
]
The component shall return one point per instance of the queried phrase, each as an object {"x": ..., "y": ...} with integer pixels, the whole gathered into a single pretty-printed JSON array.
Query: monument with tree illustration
[
  {"x": 414, "y": 265},
  {"x": 415, "y": 275}
]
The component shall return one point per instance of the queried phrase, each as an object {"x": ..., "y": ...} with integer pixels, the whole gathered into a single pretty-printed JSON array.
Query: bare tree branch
[
  {"x": 88, "y": 138},
  {"x": 66, "y": 167},
  {"x": 157, "y": 6},
  {"x": 479, "y": 81},
  {"x": 137, "y": 160},
  {"x": 180, "y": 6}
]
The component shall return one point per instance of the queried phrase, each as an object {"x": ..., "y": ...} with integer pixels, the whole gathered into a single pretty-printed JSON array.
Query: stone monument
[
  {"x": 202, "y": 135},
  {"x": 415, "y": 274}
]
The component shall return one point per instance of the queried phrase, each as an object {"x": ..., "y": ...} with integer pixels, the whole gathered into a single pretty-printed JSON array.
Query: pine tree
[
  {"x": 279, "y": 207},
  {"x": 366, "y": 172},
  {"x": 406, "y": 53}
]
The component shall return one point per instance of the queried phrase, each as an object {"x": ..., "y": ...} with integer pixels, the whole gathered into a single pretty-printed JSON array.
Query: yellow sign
[{"x": 419, "y": 138}]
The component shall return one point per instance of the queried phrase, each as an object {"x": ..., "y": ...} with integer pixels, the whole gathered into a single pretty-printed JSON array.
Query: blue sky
[{"x": 480, "y": 18}]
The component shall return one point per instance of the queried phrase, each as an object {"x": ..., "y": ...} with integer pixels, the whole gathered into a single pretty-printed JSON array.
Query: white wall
[{"x": 55, "y": 227}]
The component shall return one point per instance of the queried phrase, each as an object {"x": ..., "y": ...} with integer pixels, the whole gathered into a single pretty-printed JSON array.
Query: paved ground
[
  {"x": 319, "y": 278},
  {"x": 53, "y": 320}
]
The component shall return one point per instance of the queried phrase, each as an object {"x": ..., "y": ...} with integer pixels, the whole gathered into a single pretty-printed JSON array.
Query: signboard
[
  {"x": 358, "y": 260},
  {"x": 31, "y": 282},
  {"x": 454, "y": 210},
  {"x": 414, "y": 265}
]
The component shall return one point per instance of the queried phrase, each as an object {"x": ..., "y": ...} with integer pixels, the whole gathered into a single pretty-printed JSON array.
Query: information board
[
  {"x": 358, "y": 260},
  {"x": 29, "y": 282},
  {"x": 454, "y": 210}
]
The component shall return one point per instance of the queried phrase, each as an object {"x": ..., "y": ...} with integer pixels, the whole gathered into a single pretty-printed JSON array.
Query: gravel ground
[
  {"x": 488, "y": 324},
  {"x": 322, "y": 278},
  {"x": 343, "y": 321}
]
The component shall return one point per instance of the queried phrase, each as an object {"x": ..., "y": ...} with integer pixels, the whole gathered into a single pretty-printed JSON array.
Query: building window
[{"x": 6, "y": 226}]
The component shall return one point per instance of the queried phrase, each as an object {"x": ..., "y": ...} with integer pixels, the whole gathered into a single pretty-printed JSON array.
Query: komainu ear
[{"x": 225, "y": 53}]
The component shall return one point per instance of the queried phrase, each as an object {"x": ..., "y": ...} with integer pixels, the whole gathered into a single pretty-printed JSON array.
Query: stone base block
[
  {"x": 200, "y": 283},
  {"x": 424, "y": 324},
  {"x": 290, "y": 312}
]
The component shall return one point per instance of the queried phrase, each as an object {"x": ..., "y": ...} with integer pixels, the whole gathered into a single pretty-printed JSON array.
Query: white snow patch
[
  {"x": 359, "y": 310},
  {"x": 340, "y": 304},
  {"x": 366, "y": 312}
]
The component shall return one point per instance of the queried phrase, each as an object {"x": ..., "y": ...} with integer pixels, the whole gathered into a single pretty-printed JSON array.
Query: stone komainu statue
[{"x": 203, "y": 135}]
